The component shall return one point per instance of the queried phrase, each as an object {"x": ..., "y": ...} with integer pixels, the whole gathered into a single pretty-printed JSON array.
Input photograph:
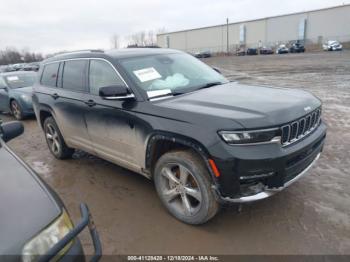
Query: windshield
[
  {"x": 170, "y": 73},
  {"x": 20, "y": 80}
]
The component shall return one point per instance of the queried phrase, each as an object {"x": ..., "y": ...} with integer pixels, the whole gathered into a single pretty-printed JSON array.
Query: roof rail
[{"x": 80, "y": 51}]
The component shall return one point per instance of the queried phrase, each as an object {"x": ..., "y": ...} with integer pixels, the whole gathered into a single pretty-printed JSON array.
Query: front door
[{"x": 111, "y": 123}]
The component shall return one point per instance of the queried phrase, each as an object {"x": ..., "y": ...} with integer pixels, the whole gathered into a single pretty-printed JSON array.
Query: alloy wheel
[
  {"x": 180, "y": 189},
  {"x": 16, "y": 110},
  {"x": 53, "y": 139}
]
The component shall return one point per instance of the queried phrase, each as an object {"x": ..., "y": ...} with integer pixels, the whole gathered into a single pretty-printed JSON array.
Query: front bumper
[
  {"x": 253, "y": 172},
  {"x": 75, "y": 253},
  {"x": 267, "y": 192}
]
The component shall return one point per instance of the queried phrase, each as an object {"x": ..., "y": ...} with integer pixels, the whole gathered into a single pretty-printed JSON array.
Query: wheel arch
[
  {"x": 44, "y": 112},
  {"x": 163, "y": 142}
]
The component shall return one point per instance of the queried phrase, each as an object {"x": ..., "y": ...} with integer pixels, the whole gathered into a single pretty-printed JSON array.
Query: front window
[
  {"x": 15, "y": 81},
  {"x": 101, "y": 74},
  {"x": 170, "y": 73}
]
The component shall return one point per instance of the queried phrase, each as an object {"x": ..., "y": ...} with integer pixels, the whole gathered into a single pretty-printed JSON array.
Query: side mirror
[
  {"x": 217, "y": 70},
  {"x": 11, "y": 130},
  {"x": 118, "y": 92},
  {"x": 3, "y": 88}
]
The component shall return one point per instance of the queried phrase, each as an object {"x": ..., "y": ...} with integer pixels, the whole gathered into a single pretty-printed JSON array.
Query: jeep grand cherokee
[{"x": 168, "y": 116}]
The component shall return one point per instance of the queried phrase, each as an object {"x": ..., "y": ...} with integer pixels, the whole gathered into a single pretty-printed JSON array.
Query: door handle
[
  {"x": 55, "y": 96},
  {"x": 90, "y": 103}
]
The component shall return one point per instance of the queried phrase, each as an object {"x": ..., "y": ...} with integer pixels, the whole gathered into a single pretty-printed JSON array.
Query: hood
[
  {"x": 24, "y": 90},
  {"x": 250, "y": 106},
  {"x": 26, "y": 204}
]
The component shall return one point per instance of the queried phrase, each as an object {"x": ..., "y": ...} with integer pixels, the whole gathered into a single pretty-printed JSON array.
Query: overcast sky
[{"x": 50, "y": 26}]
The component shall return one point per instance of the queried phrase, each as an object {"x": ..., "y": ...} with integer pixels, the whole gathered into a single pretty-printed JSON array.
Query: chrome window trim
[
  {"x": 91, "y": 58},
  {"x": 119, "y": 97}
]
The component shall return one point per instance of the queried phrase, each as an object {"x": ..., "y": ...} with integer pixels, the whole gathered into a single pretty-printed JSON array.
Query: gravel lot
[{"x": 310, "y": 217}]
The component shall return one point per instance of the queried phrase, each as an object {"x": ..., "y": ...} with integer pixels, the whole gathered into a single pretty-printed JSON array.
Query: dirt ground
[{"x": 310, "y": 217}]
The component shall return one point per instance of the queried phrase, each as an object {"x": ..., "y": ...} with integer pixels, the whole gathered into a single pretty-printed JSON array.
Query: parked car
[
  {"x": 18, "y": 67},
  {"x": 252, "y": 51},
  {"x": 282, "y": 49},
  {"x": 203, "y": 54},
  {"x": 240, "y": 52},
  {"x": 266, "y": 51},
  {"x": 170, "y": 117},
  {"x": 332, "y": 45},
  {"x": 35, "y": 225},
  {"x": 32, "y": 67},
  {"x": 297, "y": 47},
  {"x": 16, "y": 93}
]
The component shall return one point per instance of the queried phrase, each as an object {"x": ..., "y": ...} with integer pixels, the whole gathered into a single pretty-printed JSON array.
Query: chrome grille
[{"x": 300, "y": 128}]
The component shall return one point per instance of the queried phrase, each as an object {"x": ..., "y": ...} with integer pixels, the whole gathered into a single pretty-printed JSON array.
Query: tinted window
[
  {"x": 49, "y": 77},
  {"x": 102, "y": 74},
  {"x": 74, "y": 75}
]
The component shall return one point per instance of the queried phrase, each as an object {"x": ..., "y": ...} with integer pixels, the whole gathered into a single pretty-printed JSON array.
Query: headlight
[
  {"x": 47, "y": 238},
  {"x": 248, "y": 137},
  {"x": 26, "y": 98}
]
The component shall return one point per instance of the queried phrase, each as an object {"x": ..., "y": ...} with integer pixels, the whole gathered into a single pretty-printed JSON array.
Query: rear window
[
  {"x": 74, "y": 75},
  {"x": 49, "y": 76}
]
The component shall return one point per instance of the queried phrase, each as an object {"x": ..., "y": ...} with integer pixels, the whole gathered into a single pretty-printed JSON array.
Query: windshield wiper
[{"x": 207, "y": 85}]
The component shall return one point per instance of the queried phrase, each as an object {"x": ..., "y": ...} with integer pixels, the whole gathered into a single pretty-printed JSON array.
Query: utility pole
[{"x": 228, "y": 44}]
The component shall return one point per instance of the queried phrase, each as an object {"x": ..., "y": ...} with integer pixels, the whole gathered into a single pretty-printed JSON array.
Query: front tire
[
  {"x": 55, "y": 140},
  {"x": 183, "y": 184},
  {"x": 16, "y": 110}
]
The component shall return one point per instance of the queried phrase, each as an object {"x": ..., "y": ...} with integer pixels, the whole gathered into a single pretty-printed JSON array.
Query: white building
[{"x": 313, "y": 27}]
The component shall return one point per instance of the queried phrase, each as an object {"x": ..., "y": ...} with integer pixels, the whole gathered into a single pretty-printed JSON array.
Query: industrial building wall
[
  {"x": 283, "y": 28},
  {"x": 331, "y": 24},
  {"x": 255, "y": 33},
  {"x": 320, "y": 25},
  {"x": 213, "y": 37}
]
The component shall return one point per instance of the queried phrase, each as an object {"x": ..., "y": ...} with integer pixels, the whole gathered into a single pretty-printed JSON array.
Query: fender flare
[
  {"x": 183, "y": 140},
  {"x": 47, "y": 109}
]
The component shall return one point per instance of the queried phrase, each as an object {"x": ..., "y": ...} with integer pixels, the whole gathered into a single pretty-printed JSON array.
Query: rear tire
[
  {"x": 55, "y": 140},
  {"x": 183, "y": 184}
]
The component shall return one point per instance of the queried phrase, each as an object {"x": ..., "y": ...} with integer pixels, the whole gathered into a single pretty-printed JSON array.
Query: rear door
[
  {"x": 65, "y": 87},
  {"x": 69, "y": 106}
]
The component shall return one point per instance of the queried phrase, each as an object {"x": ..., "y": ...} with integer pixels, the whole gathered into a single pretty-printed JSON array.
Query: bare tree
[
  {"x": 12, "y": 56},
  {"x": 115, "y": 41},
  {"x": 143, "y": 38}
]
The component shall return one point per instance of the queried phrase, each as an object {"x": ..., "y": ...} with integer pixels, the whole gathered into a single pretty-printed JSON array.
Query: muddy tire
[
  {"x": 16, "y": 110},
  {"x": 55, "y": 140},
  {"x": 183, "y": 184}
]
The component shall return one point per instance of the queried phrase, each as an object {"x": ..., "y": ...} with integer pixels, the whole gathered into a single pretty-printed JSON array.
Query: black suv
[
  {"x": 168, "y": 116},
  {"x": 297, "y": 47}
]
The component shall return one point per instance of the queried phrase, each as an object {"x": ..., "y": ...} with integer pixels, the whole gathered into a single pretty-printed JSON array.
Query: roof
[
  {"x": 257, "y": 19},
  {"x": 114, "y": 53}
]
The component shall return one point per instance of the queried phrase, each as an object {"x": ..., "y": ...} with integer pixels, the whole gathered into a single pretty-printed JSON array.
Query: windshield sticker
[
  {"x": 155, "y": 93},
  {"x": 147, "y": 74},
  {"x": 12, "y": 78}
]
